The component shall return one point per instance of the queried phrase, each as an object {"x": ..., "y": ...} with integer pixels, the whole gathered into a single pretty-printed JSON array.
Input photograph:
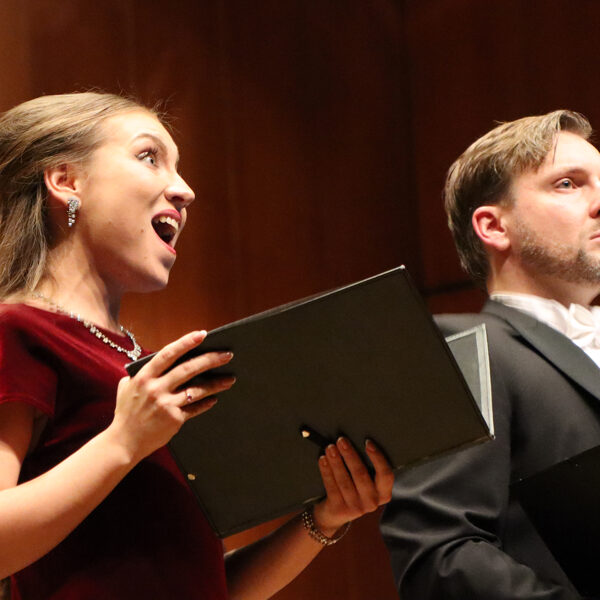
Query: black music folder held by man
[
  {"x": 562, "y": 502},
  {"x": 365, "y": 360}
]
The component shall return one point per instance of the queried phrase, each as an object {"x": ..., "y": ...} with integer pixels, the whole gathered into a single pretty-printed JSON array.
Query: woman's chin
[{"x": 145, "y": 285}]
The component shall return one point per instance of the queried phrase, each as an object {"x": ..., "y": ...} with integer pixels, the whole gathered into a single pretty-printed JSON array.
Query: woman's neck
[
  {"x": 73, "y": 284},
  {"x": 79, "y": 290},
  {"x": 80, "y": 300}
]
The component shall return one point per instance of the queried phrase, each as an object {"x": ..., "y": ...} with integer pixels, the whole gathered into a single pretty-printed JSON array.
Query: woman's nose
[{"x": 180, "y": 193}]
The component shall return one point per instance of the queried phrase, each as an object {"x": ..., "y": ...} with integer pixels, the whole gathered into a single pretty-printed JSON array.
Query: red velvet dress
[{"x": 148, "y": 539}]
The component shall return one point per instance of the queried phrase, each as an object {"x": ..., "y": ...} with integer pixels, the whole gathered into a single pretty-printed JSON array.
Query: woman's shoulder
[
  {"x": 18, "y": 319},
  {"x": 18, "y": 313}
]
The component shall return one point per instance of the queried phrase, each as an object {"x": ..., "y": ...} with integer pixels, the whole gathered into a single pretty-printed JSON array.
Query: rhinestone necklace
[{"x": 132, "y": 354}]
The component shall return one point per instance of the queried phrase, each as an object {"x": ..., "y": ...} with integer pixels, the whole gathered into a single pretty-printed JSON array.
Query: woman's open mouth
[{"x": 166, "y": 228}]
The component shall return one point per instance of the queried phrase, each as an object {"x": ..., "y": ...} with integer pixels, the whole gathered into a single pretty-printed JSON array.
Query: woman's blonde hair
[
  {"x": 34, "y": 136},
  {"x": 483, "y": 174}
]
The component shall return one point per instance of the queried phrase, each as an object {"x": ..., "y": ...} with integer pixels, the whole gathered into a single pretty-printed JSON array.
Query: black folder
[
  {"x": 365, "y": 360},
  {"x": 563, "y": 503}
]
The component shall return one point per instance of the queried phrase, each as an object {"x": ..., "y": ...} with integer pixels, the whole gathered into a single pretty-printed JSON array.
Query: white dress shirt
[{"x": 581, "y": 324}]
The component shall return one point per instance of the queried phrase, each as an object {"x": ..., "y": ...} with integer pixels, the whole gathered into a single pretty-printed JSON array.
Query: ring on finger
[{"x": 188, "y": 396}]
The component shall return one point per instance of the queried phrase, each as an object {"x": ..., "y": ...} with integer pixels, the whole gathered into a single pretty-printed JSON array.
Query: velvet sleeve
[{"x": 26, "y": 373}]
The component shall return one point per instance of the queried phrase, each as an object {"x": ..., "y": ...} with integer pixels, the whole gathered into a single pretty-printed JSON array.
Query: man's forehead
[{"x": 571, "y": 147}]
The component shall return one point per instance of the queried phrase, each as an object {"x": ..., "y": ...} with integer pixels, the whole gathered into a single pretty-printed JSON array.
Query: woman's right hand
[{"x": 153, "y": 405}]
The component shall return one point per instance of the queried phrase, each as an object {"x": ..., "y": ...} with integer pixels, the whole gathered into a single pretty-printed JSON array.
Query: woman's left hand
[
  {"x": 262, "y": 569},
  {"x": 351, "y": 491}
]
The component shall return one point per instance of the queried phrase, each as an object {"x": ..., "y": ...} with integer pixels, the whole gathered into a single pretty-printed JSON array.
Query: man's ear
[
  {"x": 62, "y": 183},
  {"x": 490, "y": 226}
]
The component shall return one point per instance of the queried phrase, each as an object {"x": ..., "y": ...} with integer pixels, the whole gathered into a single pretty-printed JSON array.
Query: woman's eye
[{"x": 148, "y": 156}]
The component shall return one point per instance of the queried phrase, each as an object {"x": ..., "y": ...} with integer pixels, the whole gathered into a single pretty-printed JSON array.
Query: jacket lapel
[{"x": 557, "y": 348}]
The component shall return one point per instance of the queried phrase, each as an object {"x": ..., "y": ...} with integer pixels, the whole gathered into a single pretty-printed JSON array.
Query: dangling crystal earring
[{"x": 72, "y": 208}]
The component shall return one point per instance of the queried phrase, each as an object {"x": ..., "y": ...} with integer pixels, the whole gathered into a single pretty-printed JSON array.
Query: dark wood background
[{"x": 316, "y": 134}]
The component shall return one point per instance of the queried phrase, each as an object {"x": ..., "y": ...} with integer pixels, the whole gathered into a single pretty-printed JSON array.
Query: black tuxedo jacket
[{"x": 453, "y": 528}]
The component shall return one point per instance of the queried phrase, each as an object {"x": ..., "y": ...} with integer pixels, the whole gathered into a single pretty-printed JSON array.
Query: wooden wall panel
[
  {"x": 317, "y": 144},
  {"x": 15, "y": 54},
  {"x": 81, "y": 46}
]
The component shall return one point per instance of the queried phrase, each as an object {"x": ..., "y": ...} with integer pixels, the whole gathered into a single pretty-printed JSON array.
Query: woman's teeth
[
  {"x": 170, "y": 221},
  {"x": 166, "y": 227}
]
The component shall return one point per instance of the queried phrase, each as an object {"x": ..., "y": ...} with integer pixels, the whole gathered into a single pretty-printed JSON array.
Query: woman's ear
[
  {"x": 62, "y": 183},
  {"x": 489, "y": 224}
]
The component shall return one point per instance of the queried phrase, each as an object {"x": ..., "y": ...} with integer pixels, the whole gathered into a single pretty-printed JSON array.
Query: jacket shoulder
[{"x": 454, "y": 323}]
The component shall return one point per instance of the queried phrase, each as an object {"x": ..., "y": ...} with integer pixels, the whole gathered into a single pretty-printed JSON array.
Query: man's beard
[{"x": 556, "y": 259}]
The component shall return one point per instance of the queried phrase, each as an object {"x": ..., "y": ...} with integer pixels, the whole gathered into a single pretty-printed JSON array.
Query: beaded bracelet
[{"x": 317, "y": 534}]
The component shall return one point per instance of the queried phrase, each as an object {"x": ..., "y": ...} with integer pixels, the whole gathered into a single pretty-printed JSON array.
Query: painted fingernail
[
  {"x": 225, "y": 355},
  {"x": 343, "y": 443},
  {"x": 198, "y": 336},
  {"x": 229, "y": 381},
  {"x": 332, "y": 451},
  {"x": 323, "y": 460}
]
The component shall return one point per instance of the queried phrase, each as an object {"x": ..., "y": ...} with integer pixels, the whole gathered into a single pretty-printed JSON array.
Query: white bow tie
[{"x": 582, "y": 325}]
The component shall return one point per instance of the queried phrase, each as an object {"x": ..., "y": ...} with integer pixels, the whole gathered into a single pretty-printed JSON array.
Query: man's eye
[{"x": 565, "y": 184}]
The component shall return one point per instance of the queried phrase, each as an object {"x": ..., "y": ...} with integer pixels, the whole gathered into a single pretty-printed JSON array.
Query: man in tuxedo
[{"x": 523, "y": 204}]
